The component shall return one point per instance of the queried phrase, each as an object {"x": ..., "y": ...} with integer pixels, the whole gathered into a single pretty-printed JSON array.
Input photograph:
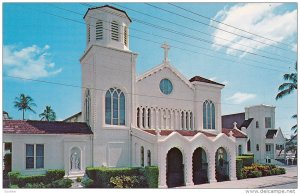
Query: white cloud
[
  {"x": 240, "y": 97},
  {"x": 29, "y": 62},
  {"x": 257, "y": 18},
  {"x": 225, "y": 82},
  {"x": 213, "y": 78}
]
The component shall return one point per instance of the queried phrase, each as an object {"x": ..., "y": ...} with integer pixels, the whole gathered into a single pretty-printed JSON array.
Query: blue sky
[{"x": 38, "y": 45}]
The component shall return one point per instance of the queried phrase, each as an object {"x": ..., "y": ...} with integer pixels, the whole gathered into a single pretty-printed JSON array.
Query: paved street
[
  {"x": 284, "y": 186},
  {"x": 283, "y": 181}
]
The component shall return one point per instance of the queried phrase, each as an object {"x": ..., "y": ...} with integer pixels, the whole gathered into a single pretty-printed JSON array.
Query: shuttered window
[
  {"x": 99, "y": 30},
  {"x": 115, "y": 31},
  {"x": 125, "y": 35}
]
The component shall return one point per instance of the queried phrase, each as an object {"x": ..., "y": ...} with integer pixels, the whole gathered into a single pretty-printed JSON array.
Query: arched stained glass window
[
  {"x": 209, "y": 117},
  {"x": 114, "y": 107}
]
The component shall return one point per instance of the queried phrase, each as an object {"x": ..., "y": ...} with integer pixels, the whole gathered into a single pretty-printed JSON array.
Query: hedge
[
  {"x": 101, "y": 175},
  {"x": 104, "y": 177},
  {"x": 15, "y": 178},
  {"x": 258, "y": 170},
  {"x": 247, "y": 160},
  {"x": 239, "y": 166}
]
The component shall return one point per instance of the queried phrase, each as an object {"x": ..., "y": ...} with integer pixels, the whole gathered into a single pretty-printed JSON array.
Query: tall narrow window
[
  {"x": 99, "y": 30},
  {"x": 87, "y": 106},
  {"x": 148, "y": 158},
  {"x": 89, "y": 33},
  {"x": 257, "y": 147},
  {"x": 191, "y": 121},
  {"x": 182, "y": 119},
  {"x": 142, "y": 156},
  {"x": 143, "y": 117},
  {"x": 187, "y": 121},
  {"x": 126, "y": 35},
  {"x": 257, "y": 124},
  {"x": 249, "y": 145},
  {"x": 138, "y": 117},
  {"x": 268, "y": 122},
  {"x": 114, "y": 107},
  {"x": 29, "y": 156},
  {"x": 240, "y": 150},
  {"x": 115, "y": 31},
  {"x": 209, "y": 117}
]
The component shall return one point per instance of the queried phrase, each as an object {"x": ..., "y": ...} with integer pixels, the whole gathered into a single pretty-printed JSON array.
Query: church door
[
  {"x": 175, "y": 175},
  {"x": 200, "y": 167}
]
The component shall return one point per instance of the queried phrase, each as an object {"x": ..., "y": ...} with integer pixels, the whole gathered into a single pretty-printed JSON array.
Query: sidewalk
[{"x": 291, "y": 176}]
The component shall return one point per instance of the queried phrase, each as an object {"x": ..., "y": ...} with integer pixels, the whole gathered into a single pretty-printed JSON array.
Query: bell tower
[
  {"x": 107, "y": 26},
  {"x": 108, "y": 85}
]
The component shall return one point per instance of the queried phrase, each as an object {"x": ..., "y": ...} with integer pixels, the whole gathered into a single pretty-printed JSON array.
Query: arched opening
[
  {"x": 222, "y": 165},
  {"x": 75, "y": 159},
  {"x": 175, "y": 175},
  {"x": 200, "y": 166}
]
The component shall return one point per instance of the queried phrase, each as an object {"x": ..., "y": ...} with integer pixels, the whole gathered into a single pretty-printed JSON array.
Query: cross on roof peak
[{"x": 166, "y": 48}]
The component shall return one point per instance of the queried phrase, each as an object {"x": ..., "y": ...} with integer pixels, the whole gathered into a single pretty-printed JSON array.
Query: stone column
[
  {"x": 146, "y": 118},
  {"x": 188, "y": 121},
  {"x": 175, "y": 120},
  {"x": 180, "y": 121},
  {"x": 141, "y": 117},
  {"x": 156, "y": 119},
  {"x": 212, "y": 167},
  {"x": 184, "y": 120},
  {"x": 151, "y": 118},
  {"x": 172, "y": 120},
  {"x": 232, "y": 167},
  {"x": 162, "y": 181},
  {"x": 189, "y": 170},
  {"x": 162, "y": 119}
]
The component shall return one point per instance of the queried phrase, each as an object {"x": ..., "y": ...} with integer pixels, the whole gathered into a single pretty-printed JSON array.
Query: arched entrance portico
[
  {"x": 200, "y": 166},
  {"x": 175, "y": 175},
  {"x": 222, "y": 165}
]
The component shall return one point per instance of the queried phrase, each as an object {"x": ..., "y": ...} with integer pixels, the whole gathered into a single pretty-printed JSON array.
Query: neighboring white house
[
  {"x": 157, "y": 118},
  {"x": 264, "y": 140}
]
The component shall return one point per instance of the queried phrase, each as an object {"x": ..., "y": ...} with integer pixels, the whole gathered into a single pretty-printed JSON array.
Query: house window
[
  {"x": 149, "y": 158},
  {"x": 208, "y": 115},
  {"x": 257, "y": 125},
  {"x": 99, "y": 30},
  {"x": 240, "y": 150},
  {"x": 267, "y": 122},
  {"x": 249, "y": 145},
  {"x": 115, "y": 31},
  {"x": 126, "y": 35},
  {"x": 87, "y": 106},
  {"x": 149, "y": 117},
  {"x": 142, "y": 156},
  {"x": 114, "y": 107},
  {"x": 268, "y": 147},
  {"x": 257, "y": 147},
  {"x": 34, "y": 156}
]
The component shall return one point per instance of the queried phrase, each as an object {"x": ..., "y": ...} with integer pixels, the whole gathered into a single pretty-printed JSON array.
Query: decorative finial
[
  {"x": 234, "y": 125},
  {"x": 166, "y": 48}
]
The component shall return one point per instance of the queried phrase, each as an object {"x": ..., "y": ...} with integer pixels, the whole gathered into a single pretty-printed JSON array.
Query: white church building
[{"x": 159, "y": 118}]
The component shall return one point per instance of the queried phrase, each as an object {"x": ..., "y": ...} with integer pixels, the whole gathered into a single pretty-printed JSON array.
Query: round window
[{"x": 166, "y": 86}]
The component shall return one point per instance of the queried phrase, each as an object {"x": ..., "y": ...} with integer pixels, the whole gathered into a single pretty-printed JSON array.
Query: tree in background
[
  {"x": 24, "y": 103},
  {"x": 287, "y": 88},
  {"x": 48, "y": 114}
]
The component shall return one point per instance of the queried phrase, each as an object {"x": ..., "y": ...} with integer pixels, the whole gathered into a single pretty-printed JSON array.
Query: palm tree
[
  {"x": 287, "y": 88},
  {"x": 48, "y": 114},
  {"x": 24, "y": 103}
]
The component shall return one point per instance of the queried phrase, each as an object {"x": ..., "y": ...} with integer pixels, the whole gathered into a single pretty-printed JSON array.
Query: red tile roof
[
  {"x": 236, "y": 133},
  {"x": 45, "y": 127},
  {"x": 202, "y": 79},
  {"x": 181, "y": 132}
]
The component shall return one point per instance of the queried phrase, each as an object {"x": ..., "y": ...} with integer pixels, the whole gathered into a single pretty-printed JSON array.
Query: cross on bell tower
[{"x": 166, "y": 48}]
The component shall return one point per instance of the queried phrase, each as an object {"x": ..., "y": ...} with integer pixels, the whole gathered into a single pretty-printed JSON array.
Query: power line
[
  {"x": 159, "y": 43},
  {"x": 215, "y": 27},
  {"x": 105, "y": 90},
  {"x": 194, "y": 37},
  {"x": 195, "y": 30},
  {"x": 226, "y": 24},
  {"x": 152, "y": 34}
]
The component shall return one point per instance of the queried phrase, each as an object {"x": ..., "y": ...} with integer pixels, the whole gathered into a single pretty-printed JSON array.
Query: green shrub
[
  {"x": 23, "y": 180},
  {"x": 13, "y": 178},
  {"x": 13, "y": 186},
  {"x": 101, "y": 175},
  {"x": 282, "y": 170},
  {"x": 247, "y": 160},
  {"x": 52, "y": 175},
  {"x": 239, "y": 166},
  {"x": 151, "y": 175},
  {"x": 254, "y": 174},
  {"x": 35, "y": 185},
  {"x": 87, "y": 182},
  {"x": 124, "y": 181},
  {"x": 78, "y": 179},
  {"x": 61, "y": 183}
]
